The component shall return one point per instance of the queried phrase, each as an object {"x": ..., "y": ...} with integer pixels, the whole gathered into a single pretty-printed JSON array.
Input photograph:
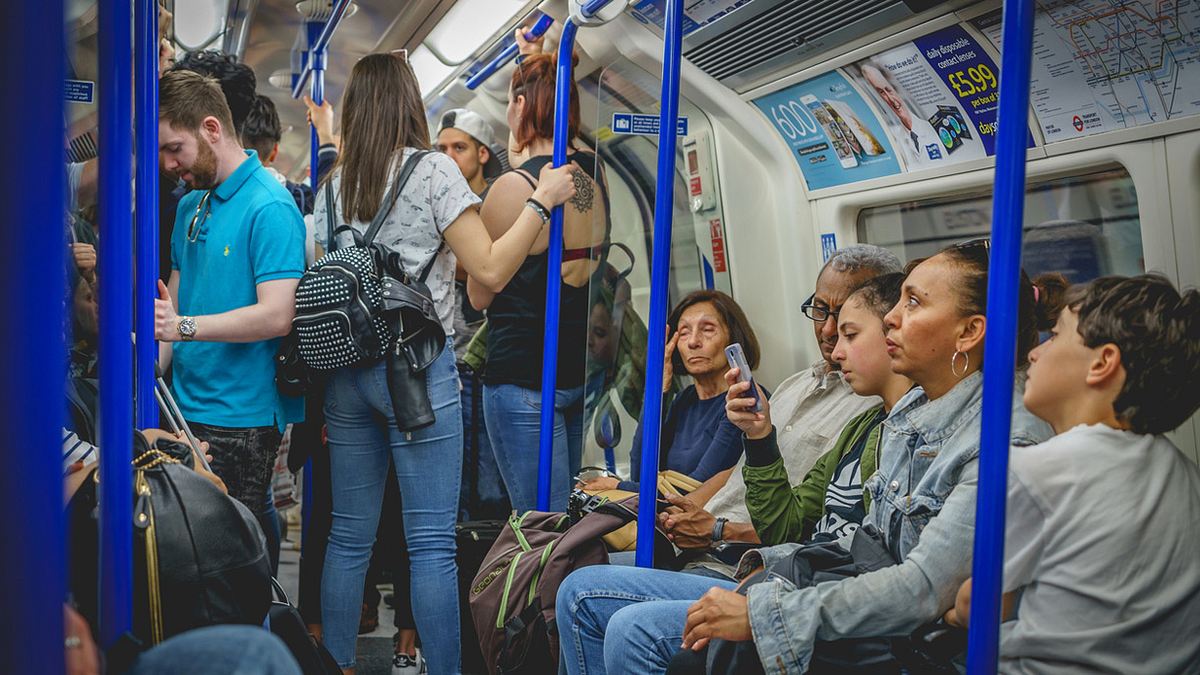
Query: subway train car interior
[{"x": 601, "y": 336}]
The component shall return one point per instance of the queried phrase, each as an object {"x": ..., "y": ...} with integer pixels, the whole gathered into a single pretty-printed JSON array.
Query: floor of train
[{"x": 375, "y": 648}]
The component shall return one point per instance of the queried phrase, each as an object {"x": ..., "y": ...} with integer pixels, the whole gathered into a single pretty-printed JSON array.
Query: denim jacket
[{"x": 923, "y": 501}]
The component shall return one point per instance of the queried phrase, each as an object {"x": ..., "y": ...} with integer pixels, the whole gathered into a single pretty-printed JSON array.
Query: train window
[
  {"x": 1082, "y": 226},
  {"x": 617, "y": 323}
]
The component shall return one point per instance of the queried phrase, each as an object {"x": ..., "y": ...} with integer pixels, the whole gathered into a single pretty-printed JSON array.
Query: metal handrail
[
  {"x": 1000, "y": 351},
  {"x": 116, "y": 320},
  {"x": 146, "y": 209},
  {"x": 322, "y": 41},
  {"x": 590, "y": 8},
  {"x": 510, "y": 52},
  {"x": 562, "y": 102},
  {"x": 660, "y": 271},
  {"x": 33, "y": 585}
]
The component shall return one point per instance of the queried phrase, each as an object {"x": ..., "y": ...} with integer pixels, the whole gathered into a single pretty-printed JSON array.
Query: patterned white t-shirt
[{"x": 434, "y": 197}]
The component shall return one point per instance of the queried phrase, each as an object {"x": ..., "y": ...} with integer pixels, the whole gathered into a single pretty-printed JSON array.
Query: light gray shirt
[
  {"x": 809, "y": 410},
  {"x": 1102, "y": 540},
  {"x": 434, "y": 197}
]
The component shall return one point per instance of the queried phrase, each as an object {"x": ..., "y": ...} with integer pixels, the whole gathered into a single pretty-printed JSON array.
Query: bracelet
[
  {"x": 718, "y": 533},
  {"x": 539, "y": 209}
]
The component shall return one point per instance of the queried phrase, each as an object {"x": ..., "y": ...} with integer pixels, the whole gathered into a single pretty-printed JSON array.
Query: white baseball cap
[{"x": 473, "y": 125}]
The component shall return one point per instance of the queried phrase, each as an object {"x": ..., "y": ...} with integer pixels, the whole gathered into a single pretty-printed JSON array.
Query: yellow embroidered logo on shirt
[{"x": 226, "y": 250}]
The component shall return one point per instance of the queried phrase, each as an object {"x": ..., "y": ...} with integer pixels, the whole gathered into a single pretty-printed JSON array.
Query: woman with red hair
[{"x": 516, "y": 315}]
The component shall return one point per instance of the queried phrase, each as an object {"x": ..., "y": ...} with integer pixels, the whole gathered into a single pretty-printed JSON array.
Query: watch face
[{"x": 187, "y": 327}]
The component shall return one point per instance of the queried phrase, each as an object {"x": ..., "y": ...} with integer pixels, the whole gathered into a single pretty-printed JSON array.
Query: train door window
[
  {"x": 1081, "y": 226},
  {"x": 620, "y": 296}
]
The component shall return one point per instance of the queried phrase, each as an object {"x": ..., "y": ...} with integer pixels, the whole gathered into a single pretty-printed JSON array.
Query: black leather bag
[
  {"x": 199, "y": 556},
  {"x": 285, "y": 622}
]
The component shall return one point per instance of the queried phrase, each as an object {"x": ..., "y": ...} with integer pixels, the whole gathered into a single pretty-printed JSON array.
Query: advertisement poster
[
  {"x": 938, "y": 97},
  {"x": 1100, "y": 66},
  {"x": 832, "y": 131}
]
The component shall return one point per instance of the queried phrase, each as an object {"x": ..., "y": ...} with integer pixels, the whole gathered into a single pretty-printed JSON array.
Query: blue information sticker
[
  {"x": 828, "y": 245},
  {"x": 643, "y": 125},
  {"x": 80, "y": 91}
]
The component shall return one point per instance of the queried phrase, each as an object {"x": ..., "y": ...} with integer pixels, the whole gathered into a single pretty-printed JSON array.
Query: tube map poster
[{"x": 1100, "y": 65}]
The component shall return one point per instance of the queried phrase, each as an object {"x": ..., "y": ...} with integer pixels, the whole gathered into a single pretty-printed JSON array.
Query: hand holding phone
[{"x": 737, "y": 359}]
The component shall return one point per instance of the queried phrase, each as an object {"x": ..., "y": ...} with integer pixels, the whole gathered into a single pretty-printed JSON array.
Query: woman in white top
[{"x": 434, "y": 221}]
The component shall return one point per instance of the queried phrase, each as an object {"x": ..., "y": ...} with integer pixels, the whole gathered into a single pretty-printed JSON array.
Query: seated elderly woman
[{"x": 697, "y": 439}]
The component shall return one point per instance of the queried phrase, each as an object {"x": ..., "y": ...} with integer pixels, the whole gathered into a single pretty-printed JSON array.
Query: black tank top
[{"x": 517, "y": 315}]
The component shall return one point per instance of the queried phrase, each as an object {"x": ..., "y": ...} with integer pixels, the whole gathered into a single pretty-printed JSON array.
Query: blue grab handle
[
  {"x": 146, "y": 101},
  {"x": 115, "y": 258},
  {"x": 562, "y": 101},
  {"x": 510, "y": 52},
  {"x": 660, "y": 272},
  {"x": 32, "y": 66},
  {"x": 1000, "y": 351}
]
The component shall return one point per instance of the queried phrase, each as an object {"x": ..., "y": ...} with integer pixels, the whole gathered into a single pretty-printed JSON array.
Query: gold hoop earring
[{"x": 954, "y": 364}]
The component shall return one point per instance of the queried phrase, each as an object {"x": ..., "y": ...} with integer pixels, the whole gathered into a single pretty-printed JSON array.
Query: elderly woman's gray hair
[{"x": 863, "y": 257}]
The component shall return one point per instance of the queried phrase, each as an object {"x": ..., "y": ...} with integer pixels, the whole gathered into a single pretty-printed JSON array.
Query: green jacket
[{"x": 783, "y": 513}]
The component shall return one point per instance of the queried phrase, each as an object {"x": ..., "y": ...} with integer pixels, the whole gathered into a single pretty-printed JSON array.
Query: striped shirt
[
  {"x": 809, "y": 410},
  {"x": 75, "y": 449}
]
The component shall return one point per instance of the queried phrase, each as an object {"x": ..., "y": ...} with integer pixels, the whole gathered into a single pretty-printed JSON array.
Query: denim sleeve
[{"x": 892, "y": 601}]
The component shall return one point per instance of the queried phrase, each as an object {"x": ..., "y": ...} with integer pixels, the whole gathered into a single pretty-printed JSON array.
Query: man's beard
[{"x": 204, "y": 169}]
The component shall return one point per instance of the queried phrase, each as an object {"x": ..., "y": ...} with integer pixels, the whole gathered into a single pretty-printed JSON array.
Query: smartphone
[
  {"x": 737, "y": 359},
  {"x": 833, "y": 132}
]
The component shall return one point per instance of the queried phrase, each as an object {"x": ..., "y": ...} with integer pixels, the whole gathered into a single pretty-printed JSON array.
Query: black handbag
[
  {"x": 199, "y": 556},
  {"x": 284, "y": 621}
]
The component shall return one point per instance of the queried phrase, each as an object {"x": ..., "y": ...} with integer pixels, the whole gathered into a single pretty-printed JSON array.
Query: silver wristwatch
[{"x": 187, "y": 328}]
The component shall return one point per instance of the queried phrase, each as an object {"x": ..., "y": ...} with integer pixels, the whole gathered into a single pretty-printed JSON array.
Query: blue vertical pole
[
  {"x": 146, "y": 101},
  {"x": 317, "y": 59},
  {"x": 1000, "y": 343},
  {"x": 33, "y": 586},
  {"x": 562, "y": 103},
  {"x": 660, "y": 274},
  {"x": 115, "y": 268}
]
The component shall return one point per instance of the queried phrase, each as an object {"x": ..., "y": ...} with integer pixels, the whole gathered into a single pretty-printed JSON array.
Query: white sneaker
[{"x": 403, "y": 664}]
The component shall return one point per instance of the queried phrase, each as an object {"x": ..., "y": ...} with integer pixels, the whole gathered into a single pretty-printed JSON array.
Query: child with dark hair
[{"x": 1101, "y": 551}]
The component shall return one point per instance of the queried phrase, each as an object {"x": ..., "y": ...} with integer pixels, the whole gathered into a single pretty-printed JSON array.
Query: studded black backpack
[{"x": 354, "y": 303}]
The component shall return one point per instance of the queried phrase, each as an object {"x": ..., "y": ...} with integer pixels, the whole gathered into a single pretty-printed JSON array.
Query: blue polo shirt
[{"x": 253, "y": 234}]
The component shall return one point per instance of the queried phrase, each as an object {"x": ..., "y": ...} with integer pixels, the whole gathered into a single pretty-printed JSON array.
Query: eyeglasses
[
  {"x": 817, "y": 313},
  {"x": 401, "y": 54},
  {"x": 193, "y": 231},
  {"x": 983, "y": 242}
]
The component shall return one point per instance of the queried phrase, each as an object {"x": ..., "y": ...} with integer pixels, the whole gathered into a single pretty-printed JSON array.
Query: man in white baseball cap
[{"x": 467, "y": 139}]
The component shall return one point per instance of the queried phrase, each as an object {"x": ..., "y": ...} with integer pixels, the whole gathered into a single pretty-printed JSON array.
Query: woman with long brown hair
[
  {"x": 434, "y": 221},
  {"x": 516, "y": 315}
]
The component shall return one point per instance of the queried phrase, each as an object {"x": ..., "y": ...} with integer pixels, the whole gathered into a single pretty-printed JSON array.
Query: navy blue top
[{"x": 697, "y": 440}]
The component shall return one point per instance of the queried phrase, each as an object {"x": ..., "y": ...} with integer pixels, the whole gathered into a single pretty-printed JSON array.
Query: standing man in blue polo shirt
[{"x": 237, "y": 253}]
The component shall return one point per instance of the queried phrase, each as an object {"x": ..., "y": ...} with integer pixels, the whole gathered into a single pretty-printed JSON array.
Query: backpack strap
[
  {"x": 389, "y": 201},
  {"x": 331, "y": 236}
]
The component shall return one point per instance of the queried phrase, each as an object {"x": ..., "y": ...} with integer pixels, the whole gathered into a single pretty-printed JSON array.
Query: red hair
[{"x": 534, "y": 79}]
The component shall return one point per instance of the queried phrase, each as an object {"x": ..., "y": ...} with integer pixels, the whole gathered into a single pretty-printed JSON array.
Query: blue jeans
[
  {"x": 614, "y": 619},
  {"x": 513, "y": 416},
  {"x": 219, "y": 650},
  {"x": 428, "y": 462}
]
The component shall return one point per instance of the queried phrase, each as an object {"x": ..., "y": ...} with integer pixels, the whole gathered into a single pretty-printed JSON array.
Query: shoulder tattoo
[{"x": 585, "y": 191}]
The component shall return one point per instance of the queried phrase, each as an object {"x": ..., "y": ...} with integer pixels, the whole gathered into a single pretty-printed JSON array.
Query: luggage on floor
[
  {"x": 475, "y": 539},
  {"x": 512, "y": 597}
]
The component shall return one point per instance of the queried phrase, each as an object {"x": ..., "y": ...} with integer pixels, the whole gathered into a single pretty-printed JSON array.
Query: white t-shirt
[
  {"x": 434, "y": 197},
  {"x": 1103, "y": 541}
]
